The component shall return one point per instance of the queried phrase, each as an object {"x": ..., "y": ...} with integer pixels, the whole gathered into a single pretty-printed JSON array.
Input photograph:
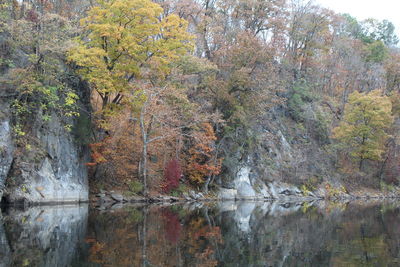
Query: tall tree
[
  {"x": 125, "y": 39},
  {"x": 363, "y": 131}
]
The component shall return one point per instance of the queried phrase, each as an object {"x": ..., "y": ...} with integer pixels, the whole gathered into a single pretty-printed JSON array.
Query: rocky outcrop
[
  {"x": 253, "y": 188},
  {"x": 242, "y": 184},
  {"x": 46, "y": 163},
  {"x": 53, "y": 171},
  {"x": 284, "y": 151},
  {"x": 6, "y": 146}
]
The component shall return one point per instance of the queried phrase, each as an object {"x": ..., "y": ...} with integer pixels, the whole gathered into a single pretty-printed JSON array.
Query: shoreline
[{"x": 110, "y": 199}]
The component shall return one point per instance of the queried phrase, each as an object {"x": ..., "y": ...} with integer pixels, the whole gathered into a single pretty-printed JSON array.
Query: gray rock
[
  {"x": 57, "y": 175},
  {"x": 135, "y": 199},
  {"x": 117, "y": 206},
  {"x": 6, "y": 145},
  {"x": 261, "y": 189},
  {"x": 193, "y": 194},
  {"x": 284, "y": 191},
  {"x": 117, "y": 197},
  {"x": 245, "y": 191},
  {"x": 106, "y": 199},
  {"x": 200, "y": 196},
  {"x": 227, "y": 194}
]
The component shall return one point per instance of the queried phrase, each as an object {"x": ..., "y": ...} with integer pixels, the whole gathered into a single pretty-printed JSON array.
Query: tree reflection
[{"x": 326, "y": 234}]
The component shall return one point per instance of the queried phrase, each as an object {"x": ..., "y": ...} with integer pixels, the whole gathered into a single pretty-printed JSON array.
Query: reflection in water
[
  {"x": 216, "y": 234},
  {"x": 43, "y": 236},
  {"x": 4, "y": 247}
]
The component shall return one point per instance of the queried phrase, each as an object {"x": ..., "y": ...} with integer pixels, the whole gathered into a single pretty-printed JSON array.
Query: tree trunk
[
  {"x": 144, "y": 237},
  {"x": 144, "y": 150},
  {"x": 361, "y": 164},
  {"x": 206, "y": 184},
  {"x": 144, "y": 169}
]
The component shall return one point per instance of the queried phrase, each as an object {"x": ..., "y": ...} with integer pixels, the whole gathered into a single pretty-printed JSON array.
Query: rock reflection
[
  {"x": 207, "y": 234},
  {"x": 43, "y": 236},
  {"x": 246, "y": 234},
  {"x": 5, "y": 256}
]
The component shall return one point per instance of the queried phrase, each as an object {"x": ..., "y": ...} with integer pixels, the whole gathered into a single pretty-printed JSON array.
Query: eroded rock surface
[
  {"x": 6, "y": 146},
  {"x": 53, "y": 171}
]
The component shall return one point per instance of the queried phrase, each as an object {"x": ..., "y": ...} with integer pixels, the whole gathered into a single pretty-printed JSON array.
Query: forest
[{"x": 170, "y": 96}]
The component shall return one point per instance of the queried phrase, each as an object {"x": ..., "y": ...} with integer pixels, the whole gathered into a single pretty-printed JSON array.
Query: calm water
[{"x": 224, "y": 234}]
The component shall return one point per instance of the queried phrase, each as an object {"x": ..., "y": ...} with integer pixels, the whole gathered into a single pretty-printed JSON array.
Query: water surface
[{"x": 213, "y": 234}]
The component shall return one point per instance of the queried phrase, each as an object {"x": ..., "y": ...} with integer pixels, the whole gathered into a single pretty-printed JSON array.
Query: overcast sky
[{"x": 363, "y": 9}]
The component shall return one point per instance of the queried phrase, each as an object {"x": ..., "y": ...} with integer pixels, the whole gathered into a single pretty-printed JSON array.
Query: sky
[{"x": 363, "y": 9}]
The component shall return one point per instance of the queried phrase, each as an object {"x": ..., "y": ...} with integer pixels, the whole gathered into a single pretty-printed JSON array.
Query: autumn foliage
[
  {"x": 172, "y": 225},
  {"x": 172, "y": 174},
  {"x": 97, "y": 154},
  {"x": 363, "y": 130},
  {"x": 203, "y": 161},
  {"x": 204, "y": 80}
]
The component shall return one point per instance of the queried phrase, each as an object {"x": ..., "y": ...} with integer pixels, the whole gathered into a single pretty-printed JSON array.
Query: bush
[
  {"x": 172, "y": 174},
  {"x": 296, "y": 101},
  {"x": 179, "y": 191},
  {"x": 135, "y": 186},
  {"x": 319, "y": 127}
]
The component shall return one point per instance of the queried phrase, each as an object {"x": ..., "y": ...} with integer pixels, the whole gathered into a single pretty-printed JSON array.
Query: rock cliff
[{"x": 53, "y": 172}]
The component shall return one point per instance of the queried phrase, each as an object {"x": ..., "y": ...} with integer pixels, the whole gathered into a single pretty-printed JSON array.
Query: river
[{"x": 209, "y": 234}]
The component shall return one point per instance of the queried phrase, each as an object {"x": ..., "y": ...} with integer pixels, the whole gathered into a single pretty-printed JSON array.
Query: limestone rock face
[
  {"x": 284, "y": 190},
  {"x": 6, "y": 146},
  {"x": 242, "y": 184},
  {"x": 47, "y": 164},
  {"x": 245, "y": 191},
  {"x": 227, "y": 194},
  {"x": 253, "y": 188},
  {"x": 53, "y": 171}
]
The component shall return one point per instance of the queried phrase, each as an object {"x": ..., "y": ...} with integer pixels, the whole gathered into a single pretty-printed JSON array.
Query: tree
[
  {"x": 204, "y": 162},
  {"x": 43, "y": 87},
  {"x": 363, "y": 130},
  {"x": 128, "y": 52},
  {"x": 162, "y": 117},
  {"x": 374, "y": 30},
  {"x": 307, "y": 35},
  {"x": 126, "y": 40}
]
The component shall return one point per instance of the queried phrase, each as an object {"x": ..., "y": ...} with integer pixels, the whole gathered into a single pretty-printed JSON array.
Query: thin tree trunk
[
  {"x": 144, "y": 150},
  {"x": 144, "y": 232},
  {"x": 361, "y": 164},
  {"x": 207, "y": 183},
  {"x": 144, "y": 169}
]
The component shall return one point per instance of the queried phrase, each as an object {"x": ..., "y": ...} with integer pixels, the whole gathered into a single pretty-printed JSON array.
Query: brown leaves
[{"x": 203, "y": 161}]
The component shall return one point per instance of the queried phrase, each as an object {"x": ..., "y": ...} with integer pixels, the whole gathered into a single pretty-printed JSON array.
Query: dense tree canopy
[
  {"x": 127, "y": 39},
  {"x": 363, "y": 130},
  {"x": 209, "y": 85}
]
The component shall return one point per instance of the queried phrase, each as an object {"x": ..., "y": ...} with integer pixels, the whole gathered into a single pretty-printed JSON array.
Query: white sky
[{"x": 363, "y": 9}]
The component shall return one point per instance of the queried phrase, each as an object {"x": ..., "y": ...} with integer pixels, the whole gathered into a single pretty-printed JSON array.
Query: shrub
[
  {"x": 300, "y": 95},
  {"x": 172, "y": 173},
  {"x": 135, "y": 186},
  {"x": 320, "y": 129}
]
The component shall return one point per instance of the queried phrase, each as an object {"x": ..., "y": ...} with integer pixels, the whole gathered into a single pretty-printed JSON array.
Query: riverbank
[{"x": 112, "y": 197}]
